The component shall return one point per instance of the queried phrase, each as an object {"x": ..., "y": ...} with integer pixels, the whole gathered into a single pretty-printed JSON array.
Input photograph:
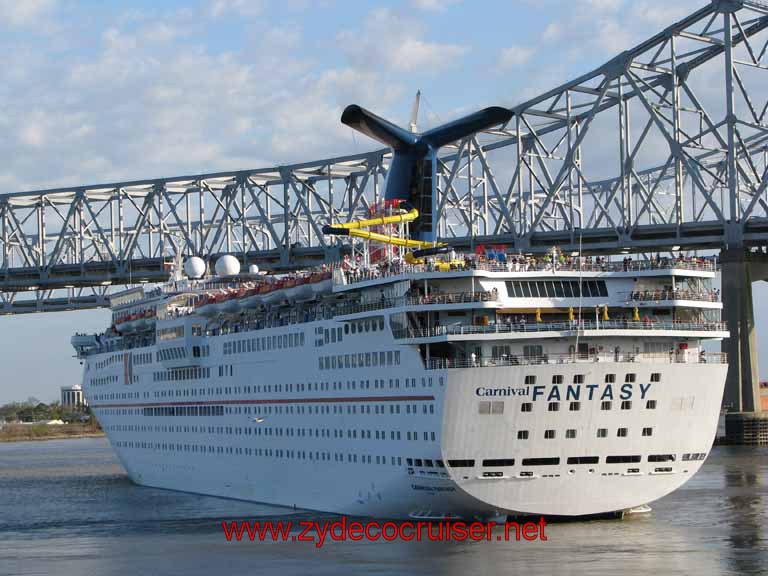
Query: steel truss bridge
[{"x": 665, "y": 145}]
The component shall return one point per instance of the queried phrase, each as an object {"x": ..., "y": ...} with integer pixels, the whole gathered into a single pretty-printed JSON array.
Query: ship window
[
  {"x": 484, "y": 408},
  {"x": 647, "y": 431},
  {"x": 553, "y": 407},
  {"x": 622, "y": 459},
  {"x": 583, "y": 460},
  {"x": 571, "y": 433},
  {"x": 526, "y": 407},
  {"x": 602, "y": 432},
  {"x": 568, "y": 289},
  {"x": 557, "y": 379},
  {"x": 525, "y": 289},
  {"x": 522, "y": 434},
  {"x": 661, "y": 458},
  {"x": 605, "y": 405},
  {"x": 461, "y": 463},
  {"x": 578, "y": 378},
  {"x": 541, "y": 461},
  {"x": 530, "y": 379},
  {"x": 656, "y": 377},
  {"x": 574, "y": 406},
  {"x": 631, "y": 377},
  {"x": 559, "y": 293},
  {"x": 497, "y": 407},
  {"x": 651, "y": 404},
  {"x": 548, "y": 435},
  {"x": 354, "y": 328},
  {"x": 622, "y": 432},
  {"x": 499, "y": 462},
  {"x": 626, "y": 404}
]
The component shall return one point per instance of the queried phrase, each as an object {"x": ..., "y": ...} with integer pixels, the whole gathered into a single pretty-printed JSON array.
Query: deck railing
[
  {"x": 362, "y": 273},
  {"x": 537, "y": 327},
  {"x": 674, "y": 357}
]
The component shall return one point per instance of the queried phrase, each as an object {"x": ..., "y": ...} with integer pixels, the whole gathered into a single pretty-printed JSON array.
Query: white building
[{"x": 72, "y": 397}]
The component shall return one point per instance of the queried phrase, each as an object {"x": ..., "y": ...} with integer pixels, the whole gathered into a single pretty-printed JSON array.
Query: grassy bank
[{"x": 21, "y": 432}]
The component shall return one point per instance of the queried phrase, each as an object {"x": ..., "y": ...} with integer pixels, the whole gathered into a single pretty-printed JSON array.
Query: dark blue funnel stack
[{"x": 410, "y": 174}]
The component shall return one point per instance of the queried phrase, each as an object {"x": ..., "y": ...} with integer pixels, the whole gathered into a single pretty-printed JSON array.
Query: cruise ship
[{"x": 411, "y": 381}]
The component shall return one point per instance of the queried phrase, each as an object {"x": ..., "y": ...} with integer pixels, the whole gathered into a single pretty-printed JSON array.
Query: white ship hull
[{"x": 357, "y": 441}]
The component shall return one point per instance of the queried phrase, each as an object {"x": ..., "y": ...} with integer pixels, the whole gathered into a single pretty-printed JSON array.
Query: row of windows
[
  {"x": 555, "y": 406},
  {"x": 113, "y": 359},
  {"x": 264, "y": 343},
  {"x": 171, "y": 333},
  {"x": 103, "y": 380},
  {"x": 571, "y": 433},
  {"x": 359, "y": 360},
  {"x": 318, "y": 455},
  {"x": 572, "y": 460},
  {"x": 183, "y": 411},
  {"x": 326, "y": 408},
  {"x": 176, "y": 353},
  {"x": 140, "y": 358},
  {"x": 629, "y": 377},
  {"x": 176, "y": 374},
  {"x": 557, "y": 288}
]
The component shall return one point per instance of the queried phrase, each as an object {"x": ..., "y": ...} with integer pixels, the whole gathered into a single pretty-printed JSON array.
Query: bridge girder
[{"x": 680, "y": 119}]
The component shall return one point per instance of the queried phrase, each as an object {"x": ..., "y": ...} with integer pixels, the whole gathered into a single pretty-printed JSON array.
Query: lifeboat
[
  {"x": 275, "y": 294},
  {"x": 303, "y": 289},
  {"x": 210, "y": 307},
  {"x": 232, "y": 304},
  {"x": 322, "y": 283},
  {"x": 253, "y": 298}
]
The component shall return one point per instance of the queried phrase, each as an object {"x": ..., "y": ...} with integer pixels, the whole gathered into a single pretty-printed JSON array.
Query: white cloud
[
  {"x": 552, "y": 32},
  {"x": 434, "y": 5},
  {"x": 246, "y": 8},
  {"x": 390, "y": 40},
  {"x": 514, "y": 57},
  {"x": 24, "y": 12},
  {"x": 602, "y": 6}
]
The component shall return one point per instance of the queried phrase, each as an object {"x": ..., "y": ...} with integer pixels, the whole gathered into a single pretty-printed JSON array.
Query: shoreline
[
  {"x": 35, "y": 433},
  {"x": 52, "y": 437}
]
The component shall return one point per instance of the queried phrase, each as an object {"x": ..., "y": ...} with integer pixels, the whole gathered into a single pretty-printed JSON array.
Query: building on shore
[{"x": 72, "y": 397}]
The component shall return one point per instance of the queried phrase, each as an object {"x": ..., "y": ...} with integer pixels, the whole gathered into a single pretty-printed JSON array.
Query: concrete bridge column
[{"x": 745, "y": 424}]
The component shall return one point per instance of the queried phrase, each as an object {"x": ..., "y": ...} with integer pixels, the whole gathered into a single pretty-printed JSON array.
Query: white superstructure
[{"x": 468, "y": 388}]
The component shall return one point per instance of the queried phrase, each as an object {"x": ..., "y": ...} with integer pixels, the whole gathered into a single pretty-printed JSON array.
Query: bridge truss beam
[{"x": 664, "y": 146}]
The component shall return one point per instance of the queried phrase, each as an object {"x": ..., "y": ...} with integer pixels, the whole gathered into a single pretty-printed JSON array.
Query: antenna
[{"x": 415, "y": 112}]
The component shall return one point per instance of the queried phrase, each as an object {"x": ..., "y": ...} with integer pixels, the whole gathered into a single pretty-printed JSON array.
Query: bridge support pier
[{"x": 744, "y": 422}]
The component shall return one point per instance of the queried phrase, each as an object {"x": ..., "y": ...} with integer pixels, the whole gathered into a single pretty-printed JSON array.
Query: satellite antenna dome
[
  {"x": 194, "y": 267},
  {"x": 227, "y": 265},
  {"x": 253, "y": 270}
]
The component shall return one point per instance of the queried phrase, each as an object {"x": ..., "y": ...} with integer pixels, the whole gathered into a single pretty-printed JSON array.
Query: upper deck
[{"x": 356, "y": 277}]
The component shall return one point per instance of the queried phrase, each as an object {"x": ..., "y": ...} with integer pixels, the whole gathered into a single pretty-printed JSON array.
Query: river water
[{"x": 68, "y": 508}]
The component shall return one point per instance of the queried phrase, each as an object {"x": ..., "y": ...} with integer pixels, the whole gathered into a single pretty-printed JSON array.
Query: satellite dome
[
  {"x": 253, "y": 270},
  {"x": 227, "y": 265},
  {"x": 194, "y": 267}
]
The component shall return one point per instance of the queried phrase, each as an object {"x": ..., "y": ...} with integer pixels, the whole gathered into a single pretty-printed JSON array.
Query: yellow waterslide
[
  {"x": 409, "y": 216},
  {"x": 355, "y": 229}
]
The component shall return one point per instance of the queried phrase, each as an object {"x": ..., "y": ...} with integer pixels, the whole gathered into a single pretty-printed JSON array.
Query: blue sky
[{"x": 101, "y": 91}]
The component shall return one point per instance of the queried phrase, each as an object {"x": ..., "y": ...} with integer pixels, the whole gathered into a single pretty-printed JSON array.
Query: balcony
[
  {"x": 572, "y": 327},
  {"x": 557, "y": 359}
]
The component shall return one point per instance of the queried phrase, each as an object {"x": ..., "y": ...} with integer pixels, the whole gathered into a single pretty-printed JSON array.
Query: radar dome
[
  {"x": 227, "y": 265},
  {"x": 253, "y": 269},
  {"x": 194, "y": 267}
]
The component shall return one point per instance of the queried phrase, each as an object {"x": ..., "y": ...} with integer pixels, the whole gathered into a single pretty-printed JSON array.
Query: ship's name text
[{"x": 574, "y": 392}]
